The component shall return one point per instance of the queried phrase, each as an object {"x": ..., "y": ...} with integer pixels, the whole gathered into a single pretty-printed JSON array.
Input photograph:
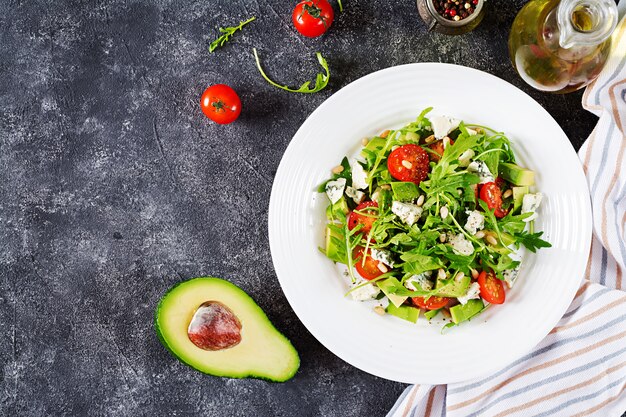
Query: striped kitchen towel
[{"x": 579, "y": 369}]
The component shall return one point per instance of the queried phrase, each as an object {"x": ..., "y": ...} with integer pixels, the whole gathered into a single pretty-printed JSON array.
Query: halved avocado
[{"x": 263, "y": 351}]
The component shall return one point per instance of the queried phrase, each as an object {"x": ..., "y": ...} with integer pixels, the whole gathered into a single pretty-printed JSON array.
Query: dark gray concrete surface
[{"x": 114, "y": 186}]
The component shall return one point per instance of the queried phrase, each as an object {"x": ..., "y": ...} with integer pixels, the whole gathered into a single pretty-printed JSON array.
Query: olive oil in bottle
[{"x": 560, "y": 46}]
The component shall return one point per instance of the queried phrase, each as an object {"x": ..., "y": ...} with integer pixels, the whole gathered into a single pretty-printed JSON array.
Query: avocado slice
[
  {"x": 516, "y": 174},
  {"x": 518, "y": 197},
  {"x": 451, "y": 287},
  {"x": 333, "y": 210},
  {"x": 335, "y": 246},
  {"x": 387, "y": 285},
  {"x": 262, "y": 352},
  {"x": 407, "y": 313},
  {"x": 465, "y": 312}
]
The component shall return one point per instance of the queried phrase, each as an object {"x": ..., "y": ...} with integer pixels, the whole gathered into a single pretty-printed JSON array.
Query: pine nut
[
  {"x": 379, "y": 310},
  {"x": 441, "y": 274},
  {"x": 382, "y": 267},
  {"x": 508, "y": 193},
  {"x": 365, "y": 141},
  {"x": 491, "y": 240},
  {"x": 338, "y": 169},
  {"x": 459, "y": 276},
  {"x": 459, "y": 192},
  {"x": 430, "y": 139},
  {"x": 479, "y": 235},
  {"x": 394, "y": 147},
  {"x": 386, "y": 187},
  {"x": 474, "y": 273},
  {"x": 442, "y": 238},
  {"x": 446, "y": 142},
  {"x": 445, "y": 313},
  {"x": 443, "y": 212},
  {"x": 420, "y": 200},
  {"x": 384, "y": 134},
  {"x": 407, "y": 164}
]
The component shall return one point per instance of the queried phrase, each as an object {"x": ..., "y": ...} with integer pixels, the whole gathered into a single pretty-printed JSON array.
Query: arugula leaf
[
  {"x": 227, "y": 33},
  {"x": 532, "y": 241},
  {"x": 416, "y": 263},
  {"x": 321, "y": 80}
]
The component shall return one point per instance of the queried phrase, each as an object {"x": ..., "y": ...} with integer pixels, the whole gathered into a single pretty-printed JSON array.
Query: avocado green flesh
[
  {"x": 518, "y": 197},
  {"x": 516, "y": 174},
  {"x": 452, "y": 287},
  {"x": 386, "y": 286},
  {"x": 461, "y": 313},
  {"x": 341, "y": 206},
  {"x": 404, "y": 312},
  {"x": 335, "y": 248},
  {"x": 263, "y": 351}
]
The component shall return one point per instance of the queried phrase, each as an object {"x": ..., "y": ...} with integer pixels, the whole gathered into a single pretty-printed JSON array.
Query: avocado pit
[{"x": 214, "y": 327}]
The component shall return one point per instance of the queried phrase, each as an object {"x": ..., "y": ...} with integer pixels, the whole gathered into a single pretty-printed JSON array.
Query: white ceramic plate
[{"x": 387, "y": 346}]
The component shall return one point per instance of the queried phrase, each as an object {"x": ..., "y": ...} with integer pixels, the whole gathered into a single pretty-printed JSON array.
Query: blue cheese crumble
[
  {"x": 442, "y": 125},
  {"x": 407, "y": 212},
  {"x": 460, "y": 245},
  {"x": 356, "y": 195},
  {"x": 480, "y": 168},
  {"x": 473, "y": 293},
  {"x": 475, "y": 221},
  {"x": 419, "y": 281},
  {"x": 530, "y": 204},
  {"x": 334, "y": 189},
  {"x": 383, "y": 256},
  {"x": 366, "y": 292},
  {"x": 359, "y": 176}
]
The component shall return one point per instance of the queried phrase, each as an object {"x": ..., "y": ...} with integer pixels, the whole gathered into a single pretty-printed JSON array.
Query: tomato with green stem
[
  {"x": 313, "y": 17},
  {"x": 221, "y": 104}
]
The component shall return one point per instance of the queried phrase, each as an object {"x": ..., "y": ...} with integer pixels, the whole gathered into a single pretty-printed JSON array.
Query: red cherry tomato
[
  {"x": 491, "y": 288},
  {"x": 437, "y": 147},
  {"x": 368, "y": 269},
  {"x": 367, "y": 221},
  {"x": 491, "y": 194},
  {"x": 433, "y": 303},
  {"x": 408, "y": 163},
  {"x": 221, "y": 104},
  {"x": 313, "y": 17}
]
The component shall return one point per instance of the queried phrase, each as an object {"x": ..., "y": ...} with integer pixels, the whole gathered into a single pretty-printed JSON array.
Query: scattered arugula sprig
[
  {"x": 321, "y": 80},
  {"x": 227, "y": 33}
]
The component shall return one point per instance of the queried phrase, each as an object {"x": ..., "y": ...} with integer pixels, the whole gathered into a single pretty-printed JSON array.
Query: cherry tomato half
[
  {"x": 408, "y": 163},
  {"x": 355, "y": 218},
  {"x": 491, "y": 288},
  {"x": 491, "y": 194},
  {"x": 368, "y": 269},
  {"x": 433, "y": 303},
  {"x": 221, "y": 104},
  {"x": 313, "y": 17},
  {"x": 438, "y": 148}
]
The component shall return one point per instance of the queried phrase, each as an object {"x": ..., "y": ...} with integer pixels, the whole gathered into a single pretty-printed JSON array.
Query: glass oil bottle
[{"x": 560, "y": 46}]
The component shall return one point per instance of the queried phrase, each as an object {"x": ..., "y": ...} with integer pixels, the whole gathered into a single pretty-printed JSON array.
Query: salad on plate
[{"x": 432, "y": 218}]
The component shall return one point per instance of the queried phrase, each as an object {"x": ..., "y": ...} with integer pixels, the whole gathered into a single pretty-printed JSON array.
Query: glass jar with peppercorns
[{"x": 452, "y": 17}]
